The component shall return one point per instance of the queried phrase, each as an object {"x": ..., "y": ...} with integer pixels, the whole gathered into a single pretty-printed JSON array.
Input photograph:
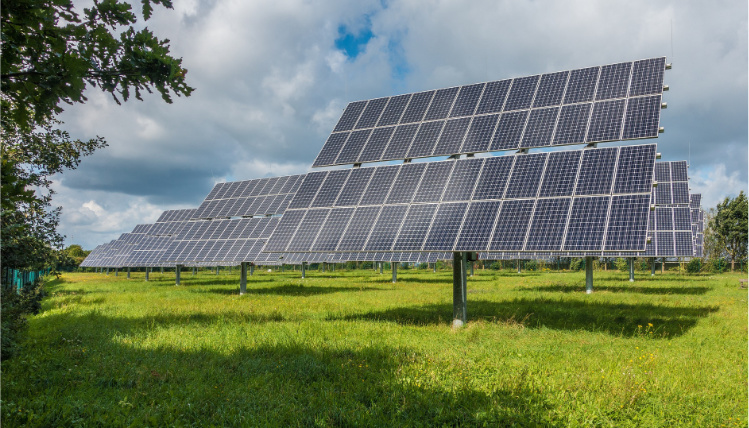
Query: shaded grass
[{"x": 349, "y": 348}]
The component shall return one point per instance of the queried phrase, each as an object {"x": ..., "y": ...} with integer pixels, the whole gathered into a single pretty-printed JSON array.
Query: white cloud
[{"x": 715, "y": 183}]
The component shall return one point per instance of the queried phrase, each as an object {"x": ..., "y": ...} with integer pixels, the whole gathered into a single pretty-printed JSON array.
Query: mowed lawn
[{"x": 349, "y": 348}]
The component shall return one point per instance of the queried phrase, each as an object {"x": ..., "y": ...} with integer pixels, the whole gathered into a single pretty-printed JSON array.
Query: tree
[
  {"x": 730, "y": 225},
  {"x": 50, "y": 55}
]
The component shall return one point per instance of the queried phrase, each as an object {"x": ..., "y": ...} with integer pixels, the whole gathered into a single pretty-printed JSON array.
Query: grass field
[{"x": 349, "y": 348}]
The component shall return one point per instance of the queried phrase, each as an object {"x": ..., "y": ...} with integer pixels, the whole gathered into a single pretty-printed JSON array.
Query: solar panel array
[
  {"x": 673, "y": 184},
  {"x": 584, "y": 200},
  {"x": 597, "y": 104},
  {"x": 698, "y": 223},
  {"x": 264, "y": 196}
]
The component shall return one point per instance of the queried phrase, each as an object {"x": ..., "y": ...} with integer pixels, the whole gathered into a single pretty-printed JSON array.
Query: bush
[
  {"x": 15, "y": 308},
  {"x": 694, "y": 265},
  {"x": 577, "y": 264},
  {"x": 531, "y": 265},
  {"x": 622, "y": 264}
]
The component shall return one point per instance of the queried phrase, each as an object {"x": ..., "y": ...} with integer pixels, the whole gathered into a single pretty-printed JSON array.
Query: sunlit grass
[{"x": 352, "y": 348}]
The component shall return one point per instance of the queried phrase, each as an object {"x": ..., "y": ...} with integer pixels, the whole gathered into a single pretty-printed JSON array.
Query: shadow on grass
[
  {"x": 614, "y": 319},
  {"x": 619, "y": 289},
  {"x": 288, "y": 290},
  {"x": 287, "y": 384}
]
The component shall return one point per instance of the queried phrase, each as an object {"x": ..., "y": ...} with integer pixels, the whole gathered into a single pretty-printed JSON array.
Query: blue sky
[{"x": 272, "y": 78}]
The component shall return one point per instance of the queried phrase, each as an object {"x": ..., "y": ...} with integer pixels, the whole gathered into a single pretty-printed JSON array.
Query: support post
[
  {"x": 243, "y": 278},
  {"x": 216, "y": 270},
  {"x": 115, "y": 271},
  {"x": 652, "y": 266},
  {"x": 128, "y": 273},
  {"x": 252, "y": 269},
  {"x": 472, "y": 264},
  {"x": 588, "y": 274},
  {"x": 303, "y": 271},
  {"x": 381, "y": 263},
  {"x": 394, "y": 265},
  {"x": 322, "y": 267},
  {"x": 147, "y": 274},
  {"x": 460, "y": 290},
  {"x": 518, "y": 265},
  {"x": 663, "y": 264},
  {"x": 631, "y": 269},
  {"x": 434, "y": 267},
  {"x": 194, "y": 271},
  {"x": 177, "y": 271},
  {"x": 162, "y": 270}
]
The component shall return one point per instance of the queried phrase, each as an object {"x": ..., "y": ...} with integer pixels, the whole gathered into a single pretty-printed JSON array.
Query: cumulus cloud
[{"x": 272, "y": 78}]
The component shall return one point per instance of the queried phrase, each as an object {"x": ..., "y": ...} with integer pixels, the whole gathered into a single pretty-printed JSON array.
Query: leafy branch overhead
[{"x": 51, "y": 53}]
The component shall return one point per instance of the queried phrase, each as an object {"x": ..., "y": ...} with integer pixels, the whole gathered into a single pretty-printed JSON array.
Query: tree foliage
[
  {"x": 730, "y": 227},
  {"x": 51, "y": 54}
]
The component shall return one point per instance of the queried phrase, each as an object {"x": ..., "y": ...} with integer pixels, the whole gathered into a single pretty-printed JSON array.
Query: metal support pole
[
  {"x": 194, "y": 271},
  {"x": 252, "y": 269},
  {"x": 663, "y": 264},
  {"x": 177, "y": 271},
  {"x": 460, "y": 290},
  {"x": 652, "y": 266},
  {"x": 162, "y": 270},
  {"x": 303, "y": 272},
  {"x": 518, "y": 266},
  {"x": 322, "y": 267},
  {"x": 588, "y": 274},
  {"x": 472, "y": 263},
  {"x": 128, "y": 273},
  {"x": 115, "y": 271},
  {"x": 631, "y": 269},
  {"x": 395, "y": 271},
  {"x": 147, "y": 274},
  {"x": 243, "y": 278},
  {"x": 381, "y": 263},
  {"x": 216, "y": 270}
]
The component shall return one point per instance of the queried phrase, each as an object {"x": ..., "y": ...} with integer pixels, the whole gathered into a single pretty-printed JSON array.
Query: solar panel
[
  {"x": 596, "y": 104},
  {"x": 595, "y": 200}
]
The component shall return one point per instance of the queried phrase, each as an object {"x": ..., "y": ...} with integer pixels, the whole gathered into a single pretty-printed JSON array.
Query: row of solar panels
[{"x": 609, "y": 103}]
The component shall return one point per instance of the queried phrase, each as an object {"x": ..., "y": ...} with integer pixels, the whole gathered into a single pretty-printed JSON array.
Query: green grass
[{"x": 349, "y": 348}]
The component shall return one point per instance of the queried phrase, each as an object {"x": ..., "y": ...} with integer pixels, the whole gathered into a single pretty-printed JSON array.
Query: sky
[{"x": 271, "y": 79}]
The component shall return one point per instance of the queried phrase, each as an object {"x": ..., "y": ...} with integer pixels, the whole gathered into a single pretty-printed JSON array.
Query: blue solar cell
[
  {"x": 394, "y": 110},
  {"x": 663, "y": 172},
  {"x": 581, "y": 85},
  {"x": 647, "y": 77},
  {"x": 376, "y": 144},
  {"x": 642, "y": 117},
  {"x": 614, "y": 81},
  {"x": 371, "y": 113},
  {"x": 606, "y": 121},
  {"x": 679, "y": 171},
  {"x": 379, "y": 185},
  {"x": 356, "y": 233},
  {"x": 596, "y": 172},
  {"x": 354, "y": 188},
  {"x": 493, "y": 98},
  {"x": 512, "y": 225},
  {"x": 551, "y": 89},
  {"x": 665, "y": 244},
  {"x": 452, "y": 136},
  {"x": 680, "y": 192},
  {"x": 684, "y": 244},
  {"x": 561, "y": 171},
  {"x": 308, "y": 190},
  {"x": 663, "y": 194},
  {"x": 627, "y": 228},
  {"x": 445, "y": 227},
  {"x": 350, "y": 116},
  {"x": 292, "y": 184},
  {"x": 479, "y": 134},
  {"x": 682, "y": 219},
  {"x": 400, "y": 142},
  {"x": 415, "y": 227},
  {"x": 521, "y": 93},
  {"x": 664, "y": 218},
  {"x": 463, "y": 180},
  {"x": 417, "y": 107},
  {"x": 478, "y": 226},
  {"x": 350, "y": 151},
  {"x": 587, "y": 224},
  {"x": 331, "y": 149},
  {"x": 330, "y": 188},
  {"x": 509, "y": 131},
  {"x": 634, "y": 173},
  {"x": 425, "y": 140},
  {"x": 441, "y": 104},
  {"x": 547, "y": 225},
  {"x": 526, "y": 176},
  {"x": 405, "y": 185},
  {"x": 431, "y": 190},
  {"x": 540, "y": 127},
  {"x": 332, "y": 230},
  {"x": 493, "y": 179},
  {"x": 468, "y": 98},
  {"x": 572, "y": 124},
  {"x": 308, "y": 230},
  {"x": 386, "y": 228}
]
